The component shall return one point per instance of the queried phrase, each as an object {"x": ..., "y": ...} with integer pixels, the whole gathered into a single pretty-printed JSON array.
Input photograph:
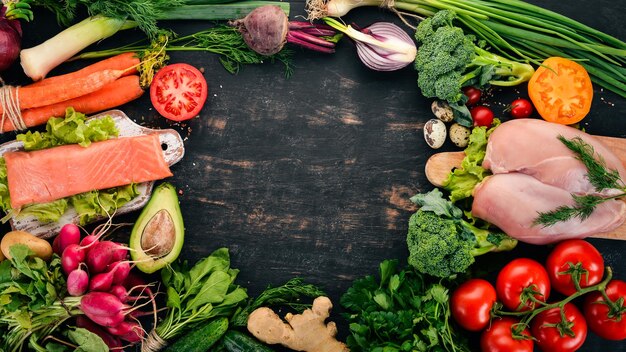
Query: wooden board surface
[{"x": 311, "y": 176}]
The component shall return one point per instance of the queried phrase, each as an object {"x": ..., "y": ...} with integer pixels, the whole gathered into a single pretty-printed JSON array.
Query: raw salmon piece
[{"x": 50, "y": 174}]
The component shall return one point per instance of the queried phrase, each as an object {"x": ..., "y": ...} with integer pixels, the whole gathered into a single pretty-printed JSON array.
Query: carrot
[
  {"x": 114, "y": 94},
  {"x": 126, "y": 61},
  {"x": 46, "y": 95}
]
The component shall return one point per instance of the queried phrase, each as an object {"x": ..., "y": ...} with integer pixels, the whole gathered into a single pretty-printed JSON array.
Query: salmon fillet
[{"x": 50, "y": 174}]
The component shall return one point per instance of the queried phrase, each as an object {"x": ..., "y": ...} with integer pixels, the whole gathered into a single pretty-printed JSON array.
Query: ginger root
[{"x": 302, "y": 332}]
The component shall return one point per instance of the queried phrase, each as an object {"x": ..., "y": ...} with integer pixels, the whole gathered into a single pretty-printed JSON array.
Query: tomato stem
[{"x": 528, "y": 316}]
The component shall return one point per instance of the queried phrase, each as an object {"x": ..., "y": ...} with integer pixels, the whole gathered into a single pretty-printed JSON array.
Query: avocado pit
[{"x": 159, "y": 235}]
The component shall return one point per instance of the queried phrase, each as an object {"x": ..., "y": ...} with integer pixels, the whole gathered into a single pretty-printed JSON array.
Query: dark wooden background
[{"x": 310, "y": 176}]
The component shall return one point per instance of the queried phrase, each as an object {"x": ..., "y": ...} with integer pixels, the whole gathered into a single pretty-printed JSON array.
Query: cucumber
[
  {"x": 202, "y": 338},
  {"x": 235, "y": 341}
]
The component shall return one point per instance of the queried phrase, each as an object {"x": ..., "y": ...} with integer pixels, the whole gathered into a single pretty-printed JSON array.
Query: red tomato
[
  {"x": 584, "y": 257},
  {"x": 482, "y": 116},
  {"x": 499, "y": 337},
  {"x": 473, "y": 95},
  {"x": 606, "y": 323},
  {"x": 521, "y": 108},
  {"x": 521, "y": 275},
  {"x": 178, "y": 92},
  {"x": 545, "y": 328},
  {"x": 471, "y": 304}
]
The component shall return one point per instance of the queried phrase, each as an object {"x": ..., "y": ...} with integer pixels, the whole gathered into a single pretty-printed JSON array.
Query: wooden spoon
[{"x": 439, "y": 166}]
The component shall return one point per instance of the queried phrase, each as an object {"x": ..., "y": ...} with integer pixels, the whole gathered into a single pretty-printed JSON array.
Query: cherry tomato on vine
[
  {"x": 522, "y": 276},
  {"x": 178, "y": 92},
  {"x": 473, "y": 95},
  {"x": 574, "y": 258},
  {"x": 521, "y": 108},
  {"x": 471, "y": 304},
  {"x": 482, "y": 116},
  {"x": 551, "y": 334},
  {"x": 499, "y": 337},
  {"x": 607, "y": 322}
]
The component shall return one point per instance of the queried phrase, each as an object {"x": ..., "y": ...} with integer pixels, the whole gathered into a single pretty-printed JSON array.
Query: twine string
[{"x": 10, "y": 103}]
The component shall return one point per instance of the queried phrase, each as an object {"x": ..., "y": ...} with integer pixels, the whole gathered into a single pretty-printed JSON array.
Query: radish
[
  {"x": 101, "y": 281},
  {"x": 266, "y": 29},
  {"x": 104, "y": 308},
  {"x": 69, "y": 234},
  {"x": 101, "y": 255},
  {"x": 128, "y": 330},
  {"x": 77, "y": 282},
  {"x": 120, "y": 270},
  {"x": 88, "y": 241},
  {"x": 121, "y": 253},
  {"x": 113, "y": 342},
  {"x": 71, "y": 258}
]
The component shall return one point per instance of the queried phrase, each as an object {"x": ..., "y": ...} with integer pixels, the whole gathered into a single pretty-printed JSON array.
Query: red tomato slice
[{"x": 178, "y": 92}]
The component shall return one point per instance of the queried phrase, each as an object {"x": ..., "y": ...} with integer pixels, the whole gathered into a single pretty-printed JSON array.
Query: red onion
[
  {"x": 383, "y": 46},
  {"x": 10, "y": 40}
]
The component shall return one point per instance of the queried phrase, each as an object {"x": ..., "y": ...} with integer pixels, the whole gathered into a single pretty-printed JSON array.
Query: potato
[{"x": 41, "y": 247}]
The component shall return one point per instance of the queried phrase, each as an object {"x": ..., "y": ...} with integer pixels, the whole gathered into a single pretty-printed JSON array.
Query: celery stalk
[
  {"x": 41, "y": 59},
  {"x": 218, "y": 12}
]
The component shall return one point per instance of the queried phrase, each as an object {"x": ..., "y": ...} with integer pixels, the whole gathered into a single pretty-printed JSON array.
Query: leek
[{"x": 216, "y": 12}]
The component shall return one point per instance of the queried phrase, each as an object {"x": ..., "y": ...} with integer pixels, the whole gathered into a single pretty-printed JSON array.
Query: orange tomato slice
[{"x": 561, "y": 91}]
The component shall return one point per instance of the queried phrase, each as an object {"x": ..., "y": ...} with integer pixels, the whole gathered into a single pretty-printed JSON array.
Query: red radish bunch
[{"x": 99, "y": 272}]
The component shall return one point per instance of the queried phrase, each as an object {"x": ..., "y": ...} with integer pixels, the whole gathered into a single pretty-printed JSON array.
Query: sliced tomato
[
  {"x": 561, "y": 91},
  {"x": 178, "y": 92}
]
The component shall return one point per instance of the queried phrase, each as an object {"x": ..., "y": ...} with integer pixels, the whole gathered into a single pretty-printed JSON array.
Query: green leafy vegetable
[
  {"x": 74, "y": 128},
  {"x": 441, "y": 243},
  {"x": 94, "y": 204},
  {"x": 197, "y": 295},
  {"x": 404, "y": 311},
  {"x": 32, "y": 298},
  {"x": 461, "y": 182}
]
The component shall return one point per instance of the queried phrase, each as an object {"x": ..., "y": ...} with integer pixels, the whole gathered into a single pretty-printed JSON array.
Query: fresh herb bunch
[
  {"x": 289, "y": 294},
  {"x": 404, "y": 311},
  {"x": 599, "y": 176},
  {"x": 223, "y": 40},
  {"x": 33, "y": 299},
  {"x": 144, "y": 12}
]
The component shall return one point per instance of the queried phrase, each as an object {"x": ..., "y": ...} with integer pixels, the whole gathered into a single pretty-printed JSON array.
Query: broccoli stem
[{"x": 516, "y": 72}]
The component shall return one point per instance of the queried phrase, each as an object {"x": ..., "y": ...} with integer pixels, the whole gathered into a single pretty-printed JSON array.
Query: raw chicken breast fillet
[
  {"x": 512, "y": 202},
  {"x": 531, "y": 147}
]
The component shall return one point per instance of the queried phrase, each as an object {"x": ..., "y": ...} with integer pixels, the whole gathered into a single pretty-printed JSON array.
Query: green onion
[
  {"x": 516, "y": 29},
  {"x": 218, "y": 11}
]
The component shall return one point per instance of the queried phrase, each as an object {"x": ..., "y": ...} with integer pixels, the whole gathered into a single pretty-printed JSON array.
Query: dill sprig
[
  {"x": 289, "y": 294},
  {"x": 599, "y": 176},
  {"x": 222, "y": 40}
]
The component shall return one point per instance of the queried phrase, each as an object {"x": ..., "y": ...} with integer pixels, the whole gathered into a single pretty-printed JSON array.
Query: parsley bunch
[{"x": 404, "y": 311}]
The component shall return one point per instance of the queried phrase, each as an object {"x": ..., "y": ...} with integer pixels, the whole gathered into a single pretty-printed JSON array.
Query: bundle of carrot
[{"x": 103, "y": 85}]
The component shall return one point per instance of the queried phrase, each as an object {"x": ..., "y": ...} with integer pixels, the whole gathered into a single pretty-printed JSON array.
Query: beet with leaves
[{"x": 267, "y": 29}]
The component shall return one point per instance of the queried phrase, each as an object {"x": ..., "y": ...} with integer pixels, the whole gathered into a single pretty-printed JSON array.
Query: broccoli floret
[
  {"x": 442, "y": 244},
  {"x": 449, "y": 60}
]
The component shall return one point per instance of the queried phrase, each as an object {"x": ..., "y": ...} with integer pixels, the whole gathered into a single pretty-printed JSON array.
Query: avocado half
[{"x": 158, "y": 234}]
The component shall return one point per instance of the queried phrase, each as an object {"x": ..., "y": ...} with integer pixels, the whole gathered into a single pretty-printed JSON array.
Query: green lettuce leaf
[
  {"x": 461, "y": 182},
  {"x": 91, "y": 205},
  {"x": 73, "y": 129},
  {"x": 45, "y": 212}
]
